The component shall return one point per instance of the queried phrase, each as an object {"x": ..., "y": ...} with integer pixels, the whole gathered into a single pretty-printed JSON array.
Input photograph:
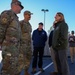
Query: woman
[
  {"x": 72, "y": 46},
  {"x": 51, "y": 49},
  {"x": 60, "y": 44}
]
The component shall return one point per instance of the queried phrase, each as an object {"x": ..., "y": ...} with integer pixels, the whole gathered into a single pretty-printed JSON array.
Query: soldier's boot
[{"x": 26, "y": 73}]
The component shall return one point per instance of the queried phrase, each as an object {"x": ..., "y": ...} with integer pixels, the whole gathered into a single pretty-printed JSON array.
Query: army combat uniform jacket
[
  {"x": 26, "y": 42},
  {"x": 10, "y": 35}
]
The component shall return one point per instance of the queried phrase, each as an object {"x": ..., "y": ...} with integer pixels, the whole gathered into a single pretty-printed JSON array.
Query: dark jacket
[
  {"x": 60, "y": 36},
  {"x": 72, "y": 43},
  {"x": 50, "y": 38},
  {"x": 39, "y": 38}
]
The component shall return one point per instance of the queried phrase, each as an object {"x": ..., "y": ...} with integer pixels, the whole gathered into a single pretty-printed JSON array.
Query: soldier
[
  {"x": 26, "y": 40},
  {"x": 10, "y": 35}
]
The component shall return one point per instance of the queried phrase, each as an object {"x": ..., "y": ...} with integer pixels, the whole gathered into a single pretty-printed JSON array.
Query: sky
[{"x": 67, "y": 7}]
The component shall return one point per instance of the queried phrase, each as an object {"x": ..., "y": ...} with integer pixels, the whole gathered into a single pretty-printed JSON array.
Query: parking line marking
[{"x": 44, "y": 68}]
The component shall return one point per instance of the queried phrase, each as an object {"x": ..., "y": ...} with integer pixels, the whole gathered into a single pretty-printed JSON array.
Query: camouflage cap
[
  {"x": 17, "y": 3},
  {"x": 27, "y": 12}
]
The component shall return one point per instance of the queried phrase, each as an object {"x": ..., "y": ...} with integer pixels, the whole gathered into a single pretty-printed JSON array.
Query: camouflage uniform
[
  {"x": 26, "y": 43},
  {"x": 10, "y": 34}
]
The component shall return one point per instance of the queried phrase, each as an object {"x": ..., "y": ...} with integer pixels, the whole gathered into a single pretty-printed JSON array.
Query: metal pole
[
  {"x": 44, "y": 20},
  {"x": 44, "y": 15}
]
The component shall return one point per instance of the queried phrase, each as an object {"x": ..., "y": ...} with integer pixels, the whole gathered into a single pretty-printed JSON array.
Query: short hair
[
  {"x": 41, "y": 23},
  {"x": 72, "y": 32}
]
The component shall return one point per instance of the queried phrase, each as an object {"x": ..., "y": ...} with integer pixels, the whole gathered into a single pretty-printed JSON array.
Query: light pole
[{"x": 44, "y": 10}]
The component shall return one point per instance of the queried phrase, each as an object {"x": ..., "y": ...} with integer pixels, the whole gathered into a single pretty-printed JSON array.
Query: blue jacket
[{"x": 39, "y": 38}]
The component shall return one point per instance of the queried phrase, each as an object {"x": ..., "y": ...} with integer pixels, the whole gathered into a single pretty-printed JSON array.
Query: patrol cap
[
  {"x": 17, "y": 3},
  {"x": 28, "y": 12}
]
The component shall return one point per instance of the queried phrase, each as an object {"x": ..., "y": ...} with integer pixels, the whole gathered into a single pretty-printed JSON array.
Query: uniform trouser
[
  {"x": 72, "y": 53},
  {"x": 27, "y": 55},
  {"x": 61, "y": 61},
  {"x": 53, "y": 59},
  {"x": 10, "y": 65},
  {"x": 36, "y": 51}
]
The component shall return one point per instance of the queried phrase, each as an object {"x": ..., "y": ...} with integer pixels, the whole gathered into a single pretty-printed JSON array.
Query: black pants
[{"x": 36, "y": 51}]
